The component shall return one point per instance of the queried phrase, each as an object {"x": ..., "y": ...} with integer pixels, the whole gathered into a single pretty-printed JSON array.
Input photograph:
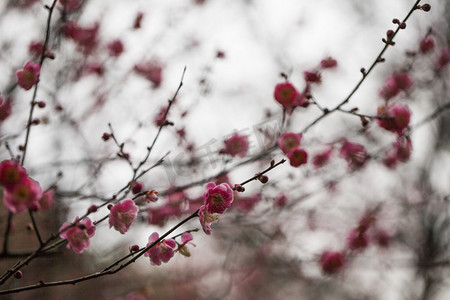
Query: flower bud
[
  {"x": 18, "y": 274},
  {"x": 426, "y": 7},
  {"x": 263, "y": 179},
  {"x": 151, "y": 196},
  {"x": 239, "y": 188},
  {"x": 134, "y": 248},
  {"x": 136, "y": 187},
  {"x": 92, "y": 209}
]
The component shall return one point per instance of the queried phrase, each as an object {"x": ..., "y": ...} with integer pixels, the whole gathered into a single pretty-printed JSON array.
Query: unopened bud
[
  {"x": 426, "y": 7},
  {"x": 92, "y": 209},
  {"x": 18, "y": 274},
  {"x": 134, "y": 248},
  {"x": 263, "y": 179}
]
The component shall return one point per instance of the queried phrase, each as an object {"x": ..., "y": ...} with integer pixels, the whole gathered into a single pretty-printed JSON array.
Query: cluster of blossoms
[
  {"x": 287, "y": 95},
  {"x": 86, "y": 38},
  {"x": 236, "y": 145},
  {"x": 20, "y": 192},
  {"x": 289, "y": 143},
  {"x": 164, "y": 250},
  {"x": 358, "y": 239},
  {"x": 121, "y": 217},
  {"x": 217, "y": 199},
  {"x": 394, "y": 84},
  {"x": 400, "y": 152},
  {"x": 394, "y": 118}
]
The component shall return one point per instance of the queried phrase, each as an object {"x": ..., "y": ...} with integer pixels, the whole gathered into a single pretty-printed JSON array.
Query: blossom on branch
[
  {"x": 287, "y": 95},
  {"x": 297, "y": 157},
  {"x": 218, "y": 197},
  {"x": 78, "y": 236},
  {"x": 122, "y": 215},
  {"x": 162, "y": 252},
  {"x": 206, "y": 219},
  {"x": 28, "y": 76},
  {"x": 11, "y": 173},
  {"x": 289, "y": 141},
  {"x": 23, "y": 195}
]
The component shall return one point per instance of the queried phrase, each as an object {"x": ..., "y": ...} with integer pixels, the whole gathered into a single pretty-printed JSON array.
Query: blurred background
[{"x": 119, "y": 62}]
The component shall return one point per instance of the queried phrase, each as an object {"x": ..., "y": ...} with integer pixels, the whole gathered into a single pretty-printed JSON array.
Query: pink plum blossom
[
  {"x": 236, "y": 145},
  {"x": 218, "y": 197},
  {"x": 355, "y": 154},
  {"x": 28, "y": 76},
  {"x": 162, "y": 252},
  {"x": 122, "y": 215},
  {"x": 23, "y": 195},
  {"x": 288, "y": 141},
  {"x": 78, "y": 236},
  {"x": 11, "y": 173},
  {"x": 207, "y": 218},
  {"x": 297, "y": 157}
]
